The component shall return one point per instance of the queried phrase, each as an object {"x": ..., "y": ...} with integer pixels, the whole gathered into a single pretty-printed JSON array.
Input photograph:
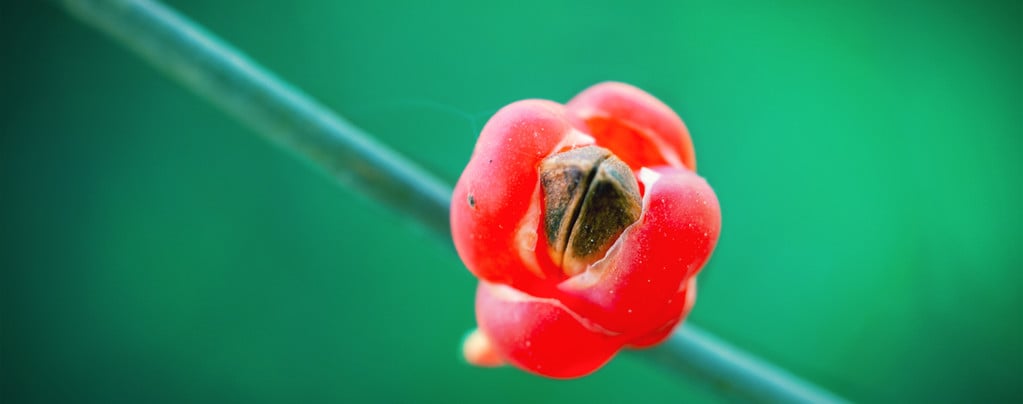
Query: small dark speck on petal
[{"x": 472, "y": 201}]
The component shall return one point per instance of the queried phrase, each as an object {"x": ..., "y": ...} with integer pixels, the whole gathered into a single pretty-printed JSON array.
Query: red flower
[{"x": 586, "y": 225}]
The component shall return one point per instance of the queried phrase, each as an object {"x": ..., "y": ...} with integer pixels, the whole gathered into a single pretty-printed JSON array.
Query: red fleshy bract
[{"x": 530, "y": 312}]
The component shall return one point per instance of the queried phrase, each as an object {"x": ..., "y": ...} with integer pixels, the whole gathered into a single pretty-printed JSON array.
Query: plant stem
[
  {"x": 225, "y": 76},
  {"x": 738, "y": 375}
]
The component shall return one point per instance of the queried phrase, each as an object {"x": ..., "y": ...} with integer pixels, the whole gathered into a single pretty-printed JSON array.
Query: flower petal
[
  {"x": 498, "y": 189},
  {"x": 639, "y": 128},
  {"x": 541, "y": 335},
  {"x": 631, "y": 290}
]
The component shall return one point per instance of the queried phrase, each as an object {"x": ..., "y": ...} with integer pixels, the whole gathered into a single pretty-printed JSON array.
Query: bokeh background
[{"x": 866, "y": 155}]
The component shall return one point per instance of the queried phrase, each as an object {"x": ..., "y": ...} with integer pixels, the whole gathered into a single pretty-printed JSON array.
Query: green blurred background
[{"x": 866, "y": 155}]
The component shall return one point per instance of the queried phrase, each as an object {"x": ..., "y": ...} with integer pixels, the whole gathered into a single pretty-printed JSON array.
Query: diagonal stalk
[{"x": 223, "y": 75}]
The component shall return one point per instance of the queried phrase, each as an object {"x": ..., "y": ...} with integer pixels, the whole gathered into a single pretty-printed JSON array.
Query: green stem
[
  {"x": 693, "y": 352},
  {"x": 225, "y": 76}
]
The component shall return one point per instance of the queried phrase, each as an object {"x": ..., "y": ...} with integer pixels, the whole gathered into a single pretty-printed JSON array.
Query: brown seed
[{"x": 590, "y": 198}]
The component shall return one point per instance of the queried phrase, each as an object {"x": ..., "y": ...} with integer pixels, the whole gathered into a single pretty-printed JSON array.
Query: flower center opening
[{"x": 590, "y": 197}]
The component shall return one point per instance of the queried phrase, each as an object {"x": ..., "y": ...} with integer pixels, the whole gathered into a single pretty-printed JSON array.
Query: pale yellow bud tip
[{"x": 479, "y": 351}]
